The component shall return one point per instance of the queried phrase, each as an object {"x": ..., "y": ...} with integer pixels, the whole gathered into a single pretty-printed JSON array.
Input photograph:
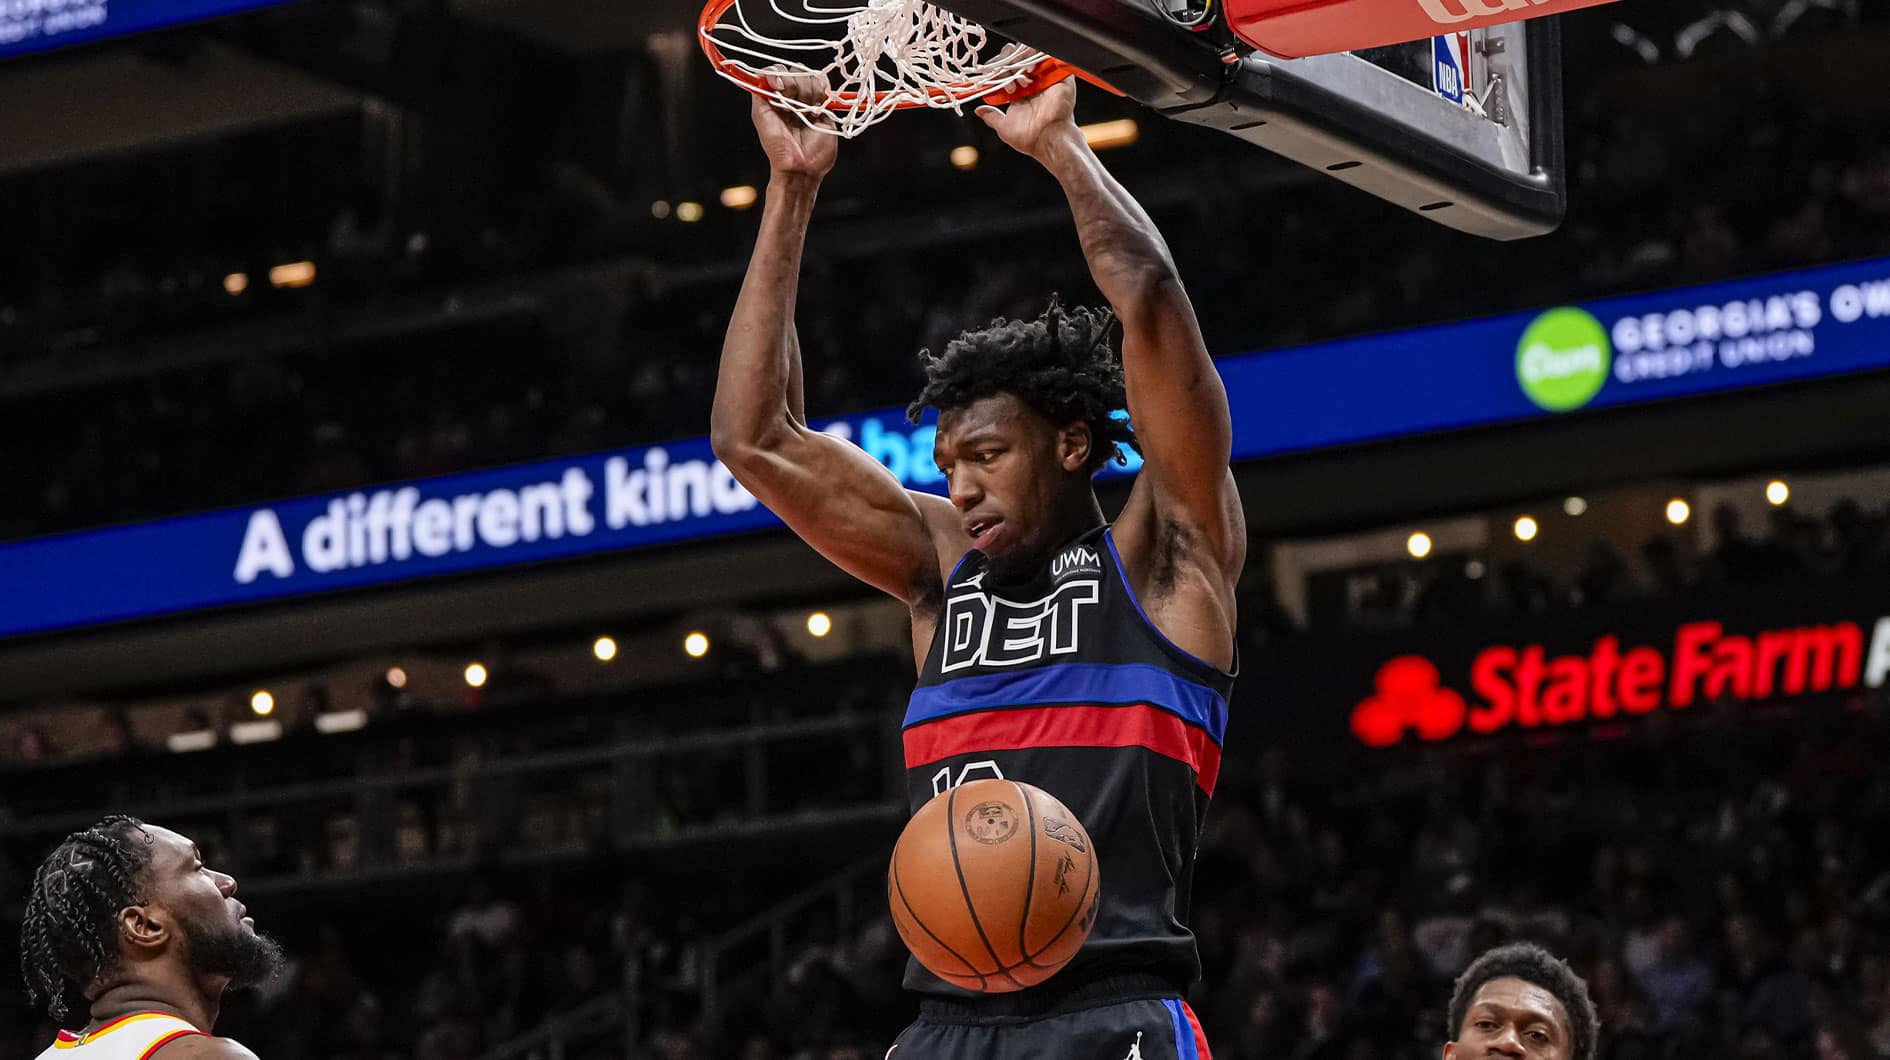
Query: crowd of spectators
[
  {"x": 1725, "y": 893},
  {"x": 1754, "y": 173},
  {"x": 1724, "y": 886}
]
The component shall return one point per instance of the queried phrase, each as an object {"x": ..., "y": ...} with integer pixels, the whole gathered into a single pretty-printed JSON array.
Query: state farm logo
[
  {"x": 1527, "y": 688},
  {"x": 1409, "y": 697}
]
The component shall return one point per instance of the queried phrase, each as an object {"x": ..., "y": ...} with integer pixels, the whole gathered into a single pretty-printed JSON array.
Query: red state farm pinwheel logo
[{"x": 1410, "y": 696}]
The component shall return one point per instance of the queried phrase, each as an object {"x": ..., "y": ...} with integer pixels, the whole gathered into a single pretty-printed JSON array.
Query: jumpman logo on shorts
[{"x": 1135, "y": 1050}]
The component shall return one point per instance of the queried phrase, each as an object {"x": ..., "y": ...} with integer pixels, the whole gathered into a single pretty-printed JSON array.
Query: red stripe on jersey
[
  {"x": 166, "y": 1040},
  {"x": 1024, "y": 727}
]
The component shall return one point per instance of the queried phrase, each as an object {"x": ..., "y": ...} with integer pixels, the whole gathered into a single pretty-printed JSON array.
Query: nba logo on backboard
[{"x": 1451, "y": 66}]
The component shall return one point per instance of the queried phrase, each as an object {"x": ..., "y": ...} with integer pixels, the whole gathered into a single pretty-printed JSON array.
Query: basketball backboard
[{"x": 1464, "y": 129}]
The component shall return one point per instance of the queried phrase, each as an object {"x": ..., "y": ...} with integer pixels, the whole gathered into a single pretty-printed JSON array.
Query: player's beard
[{"x": 227, "y": 951}]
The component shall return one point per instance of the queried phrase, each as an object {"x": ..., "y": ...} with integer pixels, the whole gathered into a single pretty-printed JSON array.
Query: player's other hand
[
  {"x": 1037, "y": 124},
  {"x": 793, "y": 149}
]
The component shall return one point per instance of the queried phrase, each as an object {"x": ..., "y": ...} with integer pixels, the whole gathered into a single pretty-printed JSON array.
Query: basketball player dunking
[
  {"x": 1089, "y": 659},
  {"x": 127, "y": 917}
]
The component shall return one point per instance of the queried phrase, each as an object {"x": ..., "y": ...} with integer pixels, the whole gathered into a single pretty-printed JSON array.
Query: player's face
[
  {"x": 1512, "y": 1018},
  {"x": 1006, "y": 465},
  {"x": 219, "y": 938}
]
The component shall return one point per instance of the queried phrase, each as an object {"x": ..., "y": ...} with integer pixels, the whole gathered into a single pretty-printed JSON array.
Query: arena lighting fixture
[
  {"x": 1103, "y": 135},
  {"x": 819, "y": 623},
  {"x": 1678, "y": 511},
  {"x": 1777, "y": 492},
  {"x": 186, "y": 742},
  {"x": 1474, "y": 570},
  {"x": 476, "y": 675},
  {"x": 294, "y": 274},
  {"x": 1526, "y": 529},
  {"x": 660, "y": 209},
  {"x": 965, "y": 157},
  {"x": 689, "y": 212},
  {"x": 1574, "y": 506},
  {"x": 604, "y": 648},
  {"x": 340, "y": 721},
  {"x": 396, "y": 677},
  {"x": 740, "y": 197},
  {"x": 236, "y": 283},
  {"x": 696, "y": 644},
  {"x": 262, "y": 703},
  {"x": 248, "y": 732},
  {"x": 1419, "y": 545}
]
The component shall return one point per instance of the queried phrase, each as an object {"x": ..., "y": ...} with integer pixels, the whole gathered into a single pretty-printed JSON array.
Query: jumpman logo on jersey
[{"x": 1135, "y": 1051}]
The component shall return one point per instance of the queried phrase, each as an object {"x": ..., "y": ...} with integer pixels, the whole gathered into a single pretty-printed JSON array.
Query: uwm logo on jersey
[{"x": 985, "y": 629}]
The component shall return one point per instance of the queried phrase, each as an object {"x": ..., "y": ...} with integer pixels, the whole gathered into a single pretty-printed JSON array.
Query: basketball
[{"x": 994, "y": 885}]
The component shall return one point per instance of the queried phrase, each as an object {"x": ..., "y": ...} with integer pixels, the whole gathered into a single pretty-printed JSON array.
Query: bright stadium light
[
  {"x": 262, "y": 703},
  {"x": 1419, "y": 545},
  {"x": 476, "y": 675},
  {"x": 965, "y": 157},
  {"x": 820, "y": 623},
  {"x": 605, "y": 649},
  {"x": 1574, "y": 506},
  {"x": 336, "y": 721},
  {"x": 660, "y": 209},
  {"x": 740, "y": 197},
  {"x": 1777, "y": 492},
  {"x": 248, "y": 732},
  {"x": 689, "y": 212},
  {"x": 1103, "y": 135},
  {"x": 1526, "y": 529},
  {"x": 696, "y": 644},
  {"x": 396, "y": 677},
  {"x": 1679, "y": 511},
  {"x": 236, "y": 283},
  {"x": 294, "y": 274}
]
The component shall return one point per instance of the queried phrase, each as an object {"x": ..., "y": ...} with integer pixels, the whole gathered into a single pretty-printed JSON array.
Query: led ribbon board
[{"x": 1519, "y": 368}]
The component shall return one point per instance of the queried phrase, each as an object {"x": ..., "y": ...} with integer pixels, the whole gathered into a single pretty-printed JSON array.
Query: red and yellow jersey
[{"x": 133, "y": 1037}]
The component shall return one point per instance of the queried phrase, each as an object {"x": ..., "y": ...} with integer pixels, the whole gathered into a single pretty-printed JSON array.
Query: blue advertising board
[
  {"x": 1509, "y": 369},
  {"x": 37, "y": 25}
]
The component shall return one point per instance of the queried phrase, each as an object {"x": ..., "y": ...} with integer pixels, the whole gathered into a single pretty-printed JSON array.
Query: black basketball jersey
[{"x": 1062, "y": 682}]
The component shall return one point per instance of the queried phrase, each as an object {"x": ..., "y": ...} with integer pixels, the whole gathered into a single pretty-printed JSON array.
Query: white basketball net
[{"x": 892, "y": 54}]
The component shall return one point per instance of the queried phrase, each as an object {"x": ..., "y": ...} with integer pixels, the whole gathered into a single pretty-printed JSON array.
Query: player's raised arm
[
  {"x": 1176, "y": 399},
  {"x": 838, "y": 499}
]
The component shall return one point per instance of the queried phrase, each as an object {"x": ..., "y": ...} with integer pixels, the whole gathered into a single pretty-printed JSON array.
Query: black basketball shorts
[{"x": 1148, "y": 1029}]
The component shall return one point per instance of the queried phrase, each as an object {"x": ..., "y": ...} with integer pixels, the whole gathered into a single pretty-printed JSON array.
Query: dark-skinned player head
[
  {"x": 1520, "y": 1002},
  {"x": 125, "y": 903},
  {"x": 1027, "y": 417}
]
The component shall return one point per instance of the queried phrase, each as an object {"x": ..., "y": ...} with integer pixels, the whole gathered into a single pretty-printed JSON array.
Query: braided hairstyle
[
  {"x": 1061, "y": 364},
  {"x": 69, "y": 936}
]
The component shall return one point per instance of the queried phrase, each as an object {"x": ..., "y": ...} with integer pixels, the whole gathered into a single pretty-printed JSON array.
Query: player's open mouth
[{"x": 983, "y": 532}]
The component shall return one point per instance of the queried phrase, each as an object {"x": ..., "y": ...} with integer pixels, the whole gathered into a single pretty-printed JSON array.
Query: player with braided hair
[
  {"x": 1093, "y": 659},
  {"x": 131, "y": 940}
]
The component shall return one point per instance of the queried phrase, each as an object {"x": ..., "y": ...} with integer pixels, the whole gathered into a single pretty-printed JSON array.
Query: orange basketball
[{"x": 994, "y": 886}]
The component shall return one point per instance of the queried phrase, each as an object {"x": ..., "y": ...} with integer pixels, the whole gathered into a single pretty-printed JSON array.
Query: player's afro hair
[
  {"x": 1061, "y": 364},
  {"x": 1535, "y": 965}
]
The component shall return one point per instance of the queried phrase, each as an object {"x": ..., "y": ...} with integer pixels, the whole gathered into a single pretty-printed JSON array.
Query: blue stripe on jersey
[
  {"x": 1098, "y": 684},
  {"x": 1184, "y": 1032}
]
